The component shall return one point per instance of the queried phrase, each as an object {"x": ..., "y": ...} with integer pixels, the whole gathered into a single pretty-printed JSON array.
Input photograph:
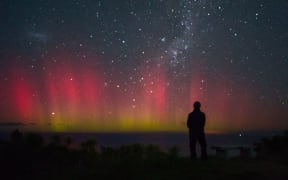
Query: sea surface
[{"x": 166, "y": 140}]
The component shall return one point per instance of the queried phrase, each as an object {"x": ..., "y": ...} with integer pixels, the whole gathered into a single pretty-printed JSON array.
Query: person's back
[{"x": 196, "y": 123}]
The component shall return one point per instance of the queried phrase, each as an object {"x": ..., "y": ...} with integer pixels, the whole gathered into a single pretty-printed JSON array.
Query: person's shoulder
[{"x": 193, "y": 112}]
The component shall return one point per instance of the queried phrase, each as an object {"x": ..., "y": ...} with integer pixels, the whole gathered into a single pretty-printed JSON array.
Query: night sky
[{"x": 139, "y": 65}]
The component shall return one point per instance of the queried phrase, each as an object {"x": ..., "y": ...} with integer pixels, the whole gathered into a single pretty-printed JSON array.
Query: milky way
[{"x": 140, "y": 65}]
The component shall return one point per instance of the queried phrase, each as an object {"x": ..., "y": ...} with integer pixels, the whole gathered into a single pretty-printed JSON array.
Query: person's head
[{"x": 197, "y": 105}]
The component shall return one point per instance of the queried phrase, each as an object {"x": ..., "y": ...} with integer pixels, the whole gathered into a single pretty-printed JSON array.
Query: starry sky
[{"x": 110, "y": 65}]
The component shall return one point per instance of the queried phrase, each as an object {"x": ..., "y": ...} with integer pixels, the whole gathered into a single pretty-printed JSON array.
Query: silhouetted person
[{"x": 195, "y": 123}]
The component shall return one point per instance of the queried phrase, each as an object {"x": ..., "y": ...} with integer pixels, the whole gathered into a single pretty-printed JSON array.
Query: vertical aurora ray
[
  {"x": 54, "y": 96},
  {"x": 74, "y": 94},
  {"x": 22, "y": 101},
  {"x": 22, "y": 94},
  {"x": 155, "y": 93}
]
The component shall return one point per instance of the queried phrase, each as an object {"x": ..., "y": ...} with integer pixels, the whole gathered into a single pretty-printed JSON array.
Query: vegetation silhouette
[
  {"x": 30, "y": 156},
  {"x": 275, "y": 148}
]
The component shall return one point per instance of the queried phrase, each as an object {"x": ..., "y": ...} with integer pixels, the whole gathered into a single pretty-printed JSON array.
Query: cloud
[
  {"x": 7, "y": 124},
  {"x": 15, "y": 124}
]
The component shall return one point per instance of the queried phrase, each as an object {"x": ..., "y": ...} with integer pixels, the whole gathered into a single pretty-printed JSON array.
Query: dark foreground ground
[
  {"x": 29, "y": 157},
  {"x": 123, "y": 169}
]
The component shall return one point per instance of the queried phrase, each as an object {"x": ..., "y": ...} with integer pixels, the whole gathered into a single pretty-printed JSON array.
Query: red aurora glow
[{"x": 77, "y": 96}]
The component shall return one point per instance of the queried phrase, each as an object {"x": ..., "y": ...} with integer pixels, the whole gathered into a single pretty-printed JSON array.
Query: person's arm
[
  {"x": 204, "y": 120},
  {"x": 188, "y": 121}
]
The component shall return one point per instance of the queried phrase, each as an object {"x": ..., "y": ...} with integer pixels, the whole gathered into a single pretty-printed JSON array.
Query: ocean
[{"x": 167, "y": 140}]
